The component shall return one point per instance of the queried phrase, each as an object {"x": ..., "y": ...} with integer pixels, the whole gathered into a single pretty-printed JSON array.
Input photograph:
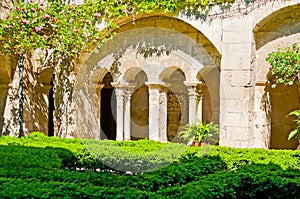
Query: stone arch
[
  {"x": 177, "y": 24},
  {"x": 131, "y": 74},
  {"x": 281, "y": 23},
  {"x": 138, "y": 97},
  {"x": 151, "y": 49},
  {"x": 43, "y": 107},
  {"x": 178, "y": 37},
  {"x": 279, "y": 29}
]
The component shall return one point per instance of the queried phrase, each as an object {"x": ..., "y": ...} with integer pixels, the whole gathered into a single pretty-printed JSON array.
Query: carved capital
[{"x": 161, "y": 86}]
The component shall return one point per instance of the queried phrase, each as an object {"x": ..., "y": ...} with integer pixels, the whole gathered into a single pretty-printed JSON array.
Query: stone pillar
[
  {"x": 193, "y": 101},
  {"x": 236, "y": 82},
  {"x": 157, "y": 111},
  {"x": 154, "y": 111},
  {"x": 163, "y": 113},
  {"x": 200, "y": 103},
  {"x": 127, "y": 116},
  {"x": 119, "y": 90}
]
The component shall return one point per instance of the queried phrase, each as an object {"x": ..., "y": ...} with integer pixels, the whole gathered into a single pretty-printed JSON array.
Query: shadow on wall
[{"x": 284, "y": 99}]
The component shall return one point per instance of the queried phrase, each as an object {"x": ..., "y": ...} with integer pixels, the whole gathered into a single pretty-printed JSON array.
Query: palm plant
[{"x": 199, "y": 132}]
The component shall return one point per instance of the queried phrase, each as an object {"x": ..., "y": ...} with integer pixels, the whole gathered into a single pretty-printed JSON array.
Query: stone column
[
  {"x": 157, "y": 111},
  {"x": 127, "y": 116},
  {"x": 154, "y": 110},
  {"x": 200, "y": 103},
  {"x": 119, "y": 91},
  {"x": 163, "y": 113},
  {"x": 193, "y": 101}
]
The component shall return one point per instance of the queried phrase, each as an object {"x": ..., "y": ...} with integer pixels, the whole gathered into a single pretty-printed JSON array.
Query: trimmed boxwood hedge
[{"x": 47, "y": 167}]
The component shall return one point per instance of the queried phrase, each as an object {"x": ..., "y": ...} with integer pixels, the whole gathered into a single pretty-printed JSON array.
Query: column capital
[
  {"x": 193, "y": 83},
  {"x": 124, "y": 85},
  {"x": 124, "y": 89},
  {"x": 201, "y": 88},
  {"x": 157, "y": 85},
  {"x": 118, "y": 85}
]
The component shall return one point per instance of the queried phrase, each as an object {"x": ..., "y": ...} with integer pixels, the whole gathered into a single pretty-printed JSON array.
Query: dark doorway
[
  {"x": 108, "y": 109},
  {"x": 51, "y": 109}
]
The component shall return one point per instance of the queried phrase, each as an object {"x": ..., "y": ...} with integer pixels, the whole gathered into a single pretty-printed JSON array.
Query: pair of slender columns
[
  {"x": 157, "y": 109},
  {"x": 195, "y": 93},
  {"x": 123, "y": 98}
]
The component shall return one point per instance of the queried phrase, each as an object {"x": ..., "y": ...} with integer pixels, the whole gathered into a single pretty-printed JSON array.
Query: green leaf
[{"x": 293, "y": 133}]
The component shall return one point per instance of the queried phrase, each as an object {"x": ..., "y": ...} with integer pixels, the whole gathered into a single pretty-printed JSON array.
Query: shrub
[
  {"x": 135, "y": 157},
  {"x": 234, "y": 158},
  {"x": 251, "y": 181},
  {"x": 37, "y": 167}
]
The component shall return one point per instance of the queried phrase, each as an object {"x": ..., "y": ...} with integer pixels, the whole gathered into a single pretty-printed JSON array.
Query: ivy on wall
[{"x": 71, "y": 28}]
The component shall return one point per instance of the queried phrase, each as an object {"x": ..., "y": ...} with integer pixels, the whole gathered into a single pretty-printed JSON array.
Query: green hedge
[
  {"x": 251, "y": 181},
  {"x": 235, "y": 158},
  {"x": 136, "y": 157},
  {"x": 42, "y": 167}
]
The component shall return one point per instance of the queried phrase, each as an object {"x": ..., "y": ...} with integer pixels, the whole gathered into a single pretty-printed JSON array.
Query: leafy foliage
[
  {"x": 251, "y": 181},
  {"x": 285, "y": 69},
  {"x": 72, "y": 28},
  {"x": 39, "y": 167},
  {"x": 199, "y": 131},
  {"x": 285, "y": 65}
]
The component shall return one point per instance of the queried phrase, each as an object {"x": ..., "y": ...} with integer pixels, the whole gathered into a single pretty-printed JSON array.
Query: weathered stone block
[
  {"x": 236, "y": 56},
  {"x": 240, "y": 78}
]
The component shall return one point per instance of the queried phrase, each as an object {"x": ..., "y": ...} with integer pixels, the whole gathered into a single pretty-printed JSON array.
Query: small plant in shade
[
  {"x": 296, "y": 132},
  {"x": 199, "y": 132}
]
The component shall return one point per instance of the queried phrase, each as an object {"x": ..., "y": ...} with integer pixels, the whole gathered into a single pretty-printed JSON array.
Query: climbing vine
[
  {"x": 285, "y": 69},
  {"x": 285, "y": 65},
  {"x": 65, "y": 31}
]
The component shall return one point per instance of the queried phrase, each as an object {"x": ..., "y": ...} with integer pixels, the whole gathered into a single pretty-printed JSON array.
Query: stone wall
[{"x": 224, "y": 79}]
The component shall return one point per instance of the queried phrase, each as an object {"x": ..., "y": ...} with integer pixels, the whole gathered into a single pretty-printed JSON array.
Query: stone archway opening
[
  {"x": 177, "y": 100},
  {"x": 163, "y": 53},
  {"x": 280, "y": 29},
  {"x": 108, "y": 109},
  {"x": 209, "y": 91},
  {"x": 140, "y": 108}
]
